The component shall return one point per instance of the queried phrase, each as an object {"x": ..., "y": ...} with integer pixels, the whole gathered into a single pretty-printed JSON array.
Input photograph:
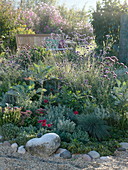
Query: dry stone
[{"x": 45, "y": 145}]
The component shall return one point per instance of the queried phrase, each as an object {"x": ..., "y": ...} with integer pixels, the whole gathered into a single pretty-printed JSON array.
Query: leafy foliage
[
  {"x": 9, "y": 131},
  {"x": 10, "y": 115}
]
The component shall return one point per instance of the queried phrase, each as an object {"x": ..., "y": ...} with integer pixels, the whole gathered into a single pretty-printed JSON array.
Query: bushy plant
[
  {"x": 22, "y": 134},
  {"x": 10, "y": 131},
  {"x": 80, "y": 135},
  {"x": 10, "y": 72},
  {"x": 44, "y": 18},
  {"x": 58, "y": 120},
  {"x": 7, "y": 21},
  {"x": 106, "y": 23},
  {"x": 23, "y": 93},
  {"x": 120, "y": 97},
  {"x": 95, "y": 126},
  {"x": 10, "y": 115}
]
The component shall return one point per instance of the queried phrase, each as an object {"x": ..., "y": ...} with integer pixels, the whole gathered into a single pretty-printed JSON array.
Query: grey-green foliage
[
  {"x": 121, "y": 74},
  {"x": 18, "y": 134},
  {"x": 59, "y": 116},
  {"x": 103, "y": 113},
  {"x": 80, "y": 135},
  {"x": 95, "y": 126},
  {"x": 23, "y": 93},
  {"x": 7, "y": 98},
  {"x": 9, "y": 131},
  {"x": 66, "y": 125},
  {"x": 30, "y": 130}
]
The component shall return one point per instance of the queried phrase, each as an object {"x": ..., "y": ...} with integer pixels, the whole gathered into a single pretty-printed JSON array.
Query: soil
[{"x": 15, "y": 161}]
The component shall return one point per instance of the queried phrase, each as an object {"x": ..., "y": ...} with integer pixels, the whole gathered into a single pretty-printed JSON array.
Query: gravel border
[{"x": 15, "y": 161}]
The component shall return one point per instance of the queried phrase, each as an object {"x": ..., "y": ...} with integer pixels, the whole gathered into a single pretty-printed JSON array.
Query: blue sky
[{"x": 79, "y": 3}]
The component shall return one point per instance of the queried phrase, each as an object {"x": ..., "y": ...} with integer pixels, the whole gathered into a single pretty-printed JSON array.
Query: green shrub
[
  {"x": 59, "y": 119},
  {"x": 95, "y": 126},
  {"x": 106, "y": 24},
  {"x": 10, "y": 115},
  {"x": 80, "y": 135},
  {"x": 10, "y": 131},
  {"x": 120, "y": 103},
  {"x": 25, "y": 134}
]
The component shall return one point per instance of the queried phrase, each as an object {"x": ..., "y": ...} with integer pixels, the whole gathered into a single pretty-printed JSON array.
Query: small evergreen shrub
[
  {"x": 10, "y": 131},
  {"x": 80, "y": 135},
  {"x": 95, "y": 126}
]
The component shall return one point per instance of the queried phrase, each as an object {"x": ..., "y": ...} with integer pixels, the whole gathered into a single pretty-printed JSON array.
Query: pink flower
[
  {"x": 49, "y": 125},
  {"x": 40, "y": 121},
  {"x": 44, "y": 121},
  {"x": 45, "y": 101},
  {"x": 76, "y": 112},
  {"x": 44, "y": 124},
  {"x": 29, "y": 111},
  {"x": 41, "y": 111}
]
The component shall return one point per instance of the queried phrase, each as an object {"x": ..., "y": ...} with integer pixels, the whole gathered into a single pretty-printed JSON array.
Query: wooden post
[{"x": 123, "y": 45}]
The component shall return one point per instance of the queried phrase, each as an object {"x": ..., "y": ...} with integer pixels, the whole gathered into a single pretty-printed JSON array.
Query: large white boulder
[
  {"x": 45, "y": 145},
  {"x": 124, "y": 145}
]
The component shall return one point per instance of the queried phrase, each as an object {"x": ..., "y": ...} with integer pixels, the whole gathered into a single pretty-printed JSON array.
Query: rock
[
  {"x": 1, "y": 137},
  {"x": 121, "y": 149},
  {"x": 86, "y": 157},
  {"x": 66, "y": 154},
  {"x": 6, "y": 143},
  {"x": 60, "y": 150},
  {"x": 62, "y": 153},
  {"x": 56, "y": 155},
  {"x": 14, "y": 147},
  {"x": 21, "y": 150},
  {"x": 94, "y": 154},
  {"x": 44, "y": 146},
  {"x": 124, "y": 145},
  {"x": 76, "y": 156},
  {"x": 39, "y": 135},
  {"x": 105, "y": 158}
]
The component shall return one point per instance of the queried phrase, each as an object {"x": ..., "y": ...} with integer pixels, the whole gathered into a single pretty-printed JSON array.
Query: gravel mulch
[{"x": 15, "y": 161}]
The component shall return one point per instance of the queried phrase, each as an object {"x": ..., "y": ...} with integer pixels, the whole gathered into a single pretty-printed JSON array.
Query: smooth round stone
[
  {"x": 94, "y": 154},
  {"x": 86, "y": 157},
  {"x": 39, "y": 135},
  {"x": 21, "y": 150},
  {"x": 6, "y": 143},
  {"x": 66, "y": 155},
  {"x": 124, "y": 145},
  {"x": 105, "y": 158},
  {"x": 121, "y": 149},
  {"x": 14, "y": 146}
]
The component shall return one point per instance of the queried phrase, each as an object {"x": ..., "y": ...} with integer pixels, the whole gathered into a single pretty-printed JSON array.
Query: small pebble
[
  {"x": 121, "y": 149},
  {"x": 6, "y": 143}
]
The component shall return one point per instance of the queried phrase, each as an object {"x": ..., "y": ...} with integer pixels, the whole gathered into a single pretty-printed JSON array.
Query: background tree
[{"x": 106, "y": 23}]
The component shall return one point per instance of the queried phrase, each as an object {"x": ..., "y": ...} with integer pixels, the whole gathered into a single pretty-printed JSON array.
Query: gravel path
[{"x": 15, "y": 161}]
